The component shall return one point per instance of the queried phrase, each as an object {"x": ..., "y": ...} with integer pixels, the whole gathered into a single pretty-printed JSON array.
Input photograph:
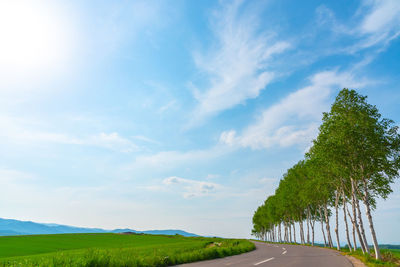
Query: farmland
[{"x": 114, "y": 250}]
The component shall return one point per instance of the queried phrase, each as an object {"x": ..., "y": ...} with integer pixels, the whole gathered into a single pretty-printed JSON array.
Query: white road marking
[
  {"x": 284, "y": 252},
  {"x": 284, "y": 248},
  {"x": 270, "y": 259},
  {"x": 276, "y": 246}
]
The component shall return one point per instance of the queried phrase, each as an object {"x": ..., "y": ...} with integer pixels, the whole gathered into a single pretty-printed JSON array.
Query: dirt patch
[
  {"x": 356, "y": 262},
  {"x": 214, "y": 244}
]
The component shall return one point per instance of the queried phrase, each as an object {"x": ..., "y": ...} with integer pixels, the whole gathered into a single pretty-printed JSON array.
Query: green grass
[
  {"x": 390, "y": 258},
  {"x": 114, "y": 250}
]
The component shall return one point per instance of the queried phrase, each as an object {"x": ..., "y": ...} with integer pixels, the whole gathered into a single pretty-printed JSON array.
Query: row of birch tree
[{"x": 353, "y": 161}]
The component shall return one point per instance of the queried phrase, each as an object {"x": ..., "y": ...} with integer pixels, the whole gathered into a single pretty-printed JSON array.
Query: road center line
[{"x": 270, "y": 259}]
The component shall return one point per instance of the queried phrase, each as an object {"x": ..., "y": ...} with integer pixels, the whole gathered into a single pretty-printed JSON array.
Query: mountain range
[{"x": 15, "y": 227}]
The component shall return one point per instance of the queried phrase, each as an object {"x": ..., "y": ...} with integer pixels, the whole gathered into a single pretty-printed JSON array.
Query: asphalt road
[{"x": 271, "y": 255}]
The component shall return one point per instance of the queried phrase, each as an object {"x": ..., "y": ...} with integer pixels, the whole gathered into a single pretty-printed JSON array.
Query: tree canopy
[{"x": 355, "y": 158}]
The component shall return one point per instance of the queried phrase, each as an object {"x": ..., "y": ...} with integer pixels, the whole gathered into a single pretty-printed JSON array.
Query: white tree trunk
[
  {"x": 337, "y": 220},
  {"x": 345, "y": 223},
  {"x": 361, "y": 224},
  {"x": 286, "y": 232},
  {"x": 308, "y": 226},
  {"x": 301, "y": 232},
  {"x": 328, "y": 228},
  {"x": 294, "y": 232},
  {"x": 354, "y": 218},
  {"x": 322, "y": 226},
  {"x": 371, "y": 223},
  {"x": 354, "y": 232},
  {"x": 312, "y": 231}
]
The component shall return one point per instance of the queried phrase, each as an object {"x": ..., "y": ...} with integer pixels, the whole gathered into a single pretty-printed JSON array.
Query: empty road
[{"x": 270, "y": 255}]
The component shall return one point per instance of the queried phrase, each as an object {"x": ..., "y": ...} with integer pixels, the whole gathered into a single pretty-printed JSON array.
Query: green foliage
[
  {"x": 114, "y": 250},
  {"x": 354, "y": 159}
]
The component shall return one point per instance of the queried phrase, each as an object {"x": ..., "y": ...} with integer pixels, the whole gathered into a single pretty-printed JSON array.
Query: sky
[{"x": 179, "y": 114}]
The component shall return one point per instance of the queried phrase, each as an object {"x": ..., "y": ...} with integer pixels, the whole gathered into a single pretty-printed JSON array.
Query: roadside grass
[
  {"x": 115, "y": 250},
  {"x": 390, "y": 257}
]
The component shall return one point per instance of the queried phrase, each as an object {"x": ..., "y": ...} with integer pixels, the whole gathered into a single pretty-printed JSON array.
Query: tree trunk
[
  {"x": 294, "y": 232},
  {"x": 312, "y": 223},
  {"x": 286, "y": 230},
  {"x": 322, "y": 226},
  {"x": 328, "y": 228},
  {"x": 362, "y": 227},
  {"x": 354, "y": 218},
  {"x": 371, "y": 223},
  {"x": 308, "y": 226},
  {"x": 280, "y": 233},
  {"x": 290, "y": 233},
  {"x": 301, "y": 232},
  {"x": 337, "y": 220},
  {"x": 273, "y": 233},
  {"x": 345, "y": 222},
  {"x": 354, "y": 232}
]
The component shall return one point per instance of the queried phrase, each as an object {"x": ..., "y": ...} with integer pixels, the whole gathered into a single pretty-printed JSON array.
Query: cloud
[
  {"x": 236, "y": 68},
  {"x": 266, "y": 180},
  {"x": 112, "y": 141},
  {"x": 171, "y": 104},
  {"x": 146, "y": 139},
  {"x": 384, "y": 17},
  {"x": 9, "y": 175},
  {"x": 212, "y": 176},
  {"x": 380, "y": 26},
  {"x": 374, "y": 25},
  {"x": 295, "y": 119},
  {"x": 170, "y": 160},
  {"x": 23, "y": 132},
  {"x": 191, "y": 188}
]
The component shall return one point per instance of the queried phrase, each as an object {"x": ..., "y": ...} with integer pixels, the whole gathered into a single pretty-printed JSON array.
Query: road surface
[{"x": 277, "y": 255}]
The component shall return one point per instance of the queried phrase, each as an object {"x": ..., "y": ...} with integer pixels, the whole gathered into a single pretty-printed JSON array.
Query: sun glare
[{"x": 32, "y": 36}]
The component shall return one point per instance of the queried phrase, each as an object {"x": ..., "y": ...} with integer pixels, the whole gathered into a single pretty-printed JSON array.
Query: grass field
[{"x": 114, "y": 250}]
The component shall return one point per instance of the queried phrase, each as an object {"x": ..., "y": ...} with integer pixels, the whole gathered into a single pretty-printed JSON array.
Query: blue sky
[{"x": 179, "y": 114}]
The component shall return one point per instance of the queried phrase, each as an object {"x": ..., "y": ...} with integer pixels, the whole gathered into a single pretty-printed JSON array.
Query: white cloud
[
  {"x": 9, "y": 175},
  {"x": 228, "y": 137},
  {"x": 384, "y": 17},
  {"x": 146, "y": 139},
  {"x": 237, "y": 66},
  {"x": 266, "y": 180},
  {"x": 111, "y": 141},
  {"x": 170, "y": 105},
  {"x": 192, "y": 188},
  {"x": 374, "y": 25},
  {"x": 295, "y": 119},
  {"x": 169, "y": 160},
  {"x": 212, "y": 176},
  {"x": 24, "y": 132},
  {"x": 381, "y": 25}
]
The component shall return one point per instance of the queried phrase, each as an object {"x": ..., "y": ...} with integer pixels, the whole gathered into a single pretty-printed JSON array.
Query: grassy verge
[
  {"x": 114, "y": 250},
  {"x": 390, "y": 258}
]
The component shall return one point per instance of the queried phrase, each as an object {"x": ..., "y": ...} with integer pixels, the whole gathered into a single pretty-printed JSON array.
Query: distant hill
[{"x": 16, "y": 227}]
